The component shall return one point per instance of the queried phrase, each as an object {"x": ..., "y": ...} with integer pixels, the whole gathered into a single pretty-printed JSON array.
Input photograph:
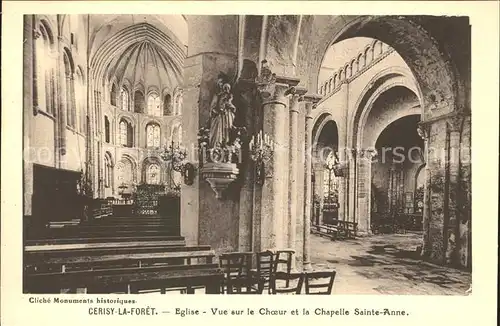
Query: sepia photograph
[{"x": 247, "y": 154}]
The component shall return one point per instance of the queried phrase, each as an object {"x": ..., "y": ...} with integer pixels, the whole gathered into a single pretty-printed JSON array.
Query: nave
[{"x": 210, "y": 152}]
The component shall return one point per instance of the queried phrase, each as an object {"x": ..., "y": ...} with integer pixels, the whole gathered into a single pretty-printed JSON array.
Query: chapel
[{"x": 177, "y": 151}]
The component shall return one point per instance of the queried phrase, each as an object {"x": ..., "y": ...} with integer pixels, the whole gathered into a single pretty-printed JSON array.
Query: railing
[{"x": 370, "y": 56}]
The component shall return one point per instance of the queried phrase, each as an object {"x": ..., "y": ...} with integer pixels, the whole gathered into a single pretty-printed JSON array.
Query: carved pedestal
[{"x": 219, "y": 176}]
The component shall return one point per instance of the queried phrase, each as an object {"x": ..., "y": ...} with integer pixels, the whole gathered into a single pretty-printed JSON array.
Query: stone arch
[
  {"x": 131, "y": 125},
  {"x": 108, "y": 170},
  {"x": 153, "y": 131},
  {"x": 425, "y": 57},
  {"x": 46, "y": 24},
  {"x": 381, "y": 82},
  {"x": 146, "y": 164},
  {"x": 127, "y": 164}
]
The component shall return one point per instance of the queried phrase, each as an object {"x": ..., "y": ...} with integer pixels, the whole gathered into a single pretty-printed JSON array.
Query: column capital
[
  {"x": 367, "y": 153},
  {"x": 311, "y": 101},
  {"x": 423, "y": 131},
  {"x": 297, "y": 97},
  {"x": 36, "y": 33},
  {"x": 455, "y": 123},
  {"x": 312, "y": 98},
  {"x": 270, "y": 84},
  {"x": 430, "y": 121}
]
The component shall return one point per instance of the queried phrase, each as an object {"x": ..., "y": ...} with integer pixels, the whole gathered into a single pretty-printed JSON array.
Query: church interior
[{"x": 246, "y": 154}]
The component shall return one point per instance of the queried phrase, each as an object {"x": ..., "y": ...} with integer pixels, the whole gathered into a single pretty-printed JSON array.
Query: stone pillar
[
  {"x": 363, "y": 192},
  {"x": 28, "y": 108},
  {"x": 299, "y": 238},
  {"x": 274, "y": 231},
  {"x": 342, "y": 187},
  {"x": 248, "y": 221},
  {"x": 311, "y": 101},
  {"x": 351, "y": 195},
  {"x": 293, "y": 211},
  {"x": 423, "y": 132},
  {"x": 61, "y": 103},
  {"x": 212, "y": 49},
  {"x": 320, "y": 174},
  {"x": 435, "y": 191},
  {"x": 455, "y": 127}
]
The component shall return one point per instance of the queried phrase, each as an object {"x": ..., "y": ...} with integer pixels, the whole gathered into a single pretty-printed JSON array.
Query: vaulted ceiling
[
  {"x": 147, "y": 63},
  {"x": 138, "y": 49}
]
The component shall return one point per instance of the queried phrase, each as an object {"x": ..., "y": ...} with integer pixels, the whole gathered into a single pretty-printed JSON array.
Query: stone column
[
  {"x": 342, "y": 186},
  {"x": 311, "y": 101},
  {"x": 424, "y": 134},
  {"x": 274, "y": 231},
  {"x": 455, "y": 127},
  {"x": 28, "y": 108},
  {"x": 435, "y": 191},
  {"x": 363, "y": 192},
  {"x": 320, "y": 174},
  {"x": 293, "y": 211},
  {"x": 61, "y": 103},
  {"x": 351, "y": 195}
]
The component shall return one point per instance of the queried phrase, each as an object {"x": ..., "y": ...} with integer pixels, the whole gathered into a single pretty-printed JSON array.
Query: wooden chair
[
  {"x": 293, "y": 283},
  {"x": 246, "y": 285},
  {"x": 283, "y": 257},
  {"x": 265, "y": 266},
  {"x": 320, "y": 282},
  {"x": 235, "y": 266}
]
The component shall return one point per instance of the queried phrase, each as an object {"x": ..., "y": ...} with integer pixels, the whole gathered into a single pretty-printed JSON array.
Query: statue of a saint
[{"x": 222, "y": 113}]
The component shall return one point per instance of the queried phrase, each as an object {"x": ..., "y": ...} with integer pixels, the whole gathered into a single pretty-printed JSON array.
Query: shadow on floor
[{"x": 399, "y": 263}]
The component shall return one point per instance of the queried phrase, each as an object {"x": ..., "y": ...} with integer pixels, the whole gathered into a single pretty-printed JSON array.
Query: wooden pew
[
  {"x": 106, "y": 240},
  {"x": 325, "y": 230},
  {"x": 91, "y": 258},
  {"x": 105, "y": 269},
  {"x": 105, "y": 232},
  {"x": 345, "y": 229}
]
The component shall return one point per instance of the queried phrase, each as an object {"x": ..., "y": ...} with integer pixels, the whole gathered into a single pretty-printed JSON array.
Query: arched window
[
  {"x": 153, "y": 135},
  {"x": 126, "y": 134},
  {"x": 178, "y": 104},
  {"x": 153, "y": 174},
  {"x": 167, "y": 105},
  {"x": 330, "y": 185},
  {"x": 44, "y": 70},
  {"x": 80, "y": 99},
  {"x": 69, "y": 91},
  {"x": 123, "y": 133},
  {"x": 125, "y": 172},
  {"x": 138, "y": 102},
  {"x": 124, "y": 99},
  {"x": 107, "y": 134},
  {"x": 108, "y": 171},
  {"x": 154, "y": 105},
  {"x": 112, "y": 96}
]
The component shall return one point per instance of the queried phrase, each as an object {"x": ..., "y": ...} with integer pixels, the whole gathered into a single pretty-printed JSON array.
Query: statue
[{"x": 222, "y": 114}]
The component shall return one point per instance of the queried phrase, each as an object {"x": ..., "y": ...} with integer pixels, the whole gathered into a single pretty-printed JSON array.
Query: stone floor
[{"x": 385, "y": 264}]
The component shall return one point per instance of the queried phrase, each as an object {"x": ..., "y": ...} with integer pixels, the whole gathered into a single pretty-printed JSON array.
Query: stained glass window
[
  {"x": 153, "y": 174},
  {"x": 154, "y": 105},
  {"x": 330, "y": 182},
  {"x": 124, "y": 97},
  {"x": 153, "y": 135},
  {"x": 123, "y": 133}
]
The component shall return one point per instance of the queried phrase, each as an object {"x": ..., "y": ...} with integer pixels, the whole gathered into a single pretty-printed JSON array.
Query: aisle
[{"x": 385, "y": 264}]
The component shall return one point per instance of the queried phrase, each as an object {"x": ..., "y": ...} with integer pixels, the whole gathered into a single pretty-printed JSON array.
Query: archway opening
[
  {"x": 397, "y": 178},
  {"x": 326, "y": 180}
]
